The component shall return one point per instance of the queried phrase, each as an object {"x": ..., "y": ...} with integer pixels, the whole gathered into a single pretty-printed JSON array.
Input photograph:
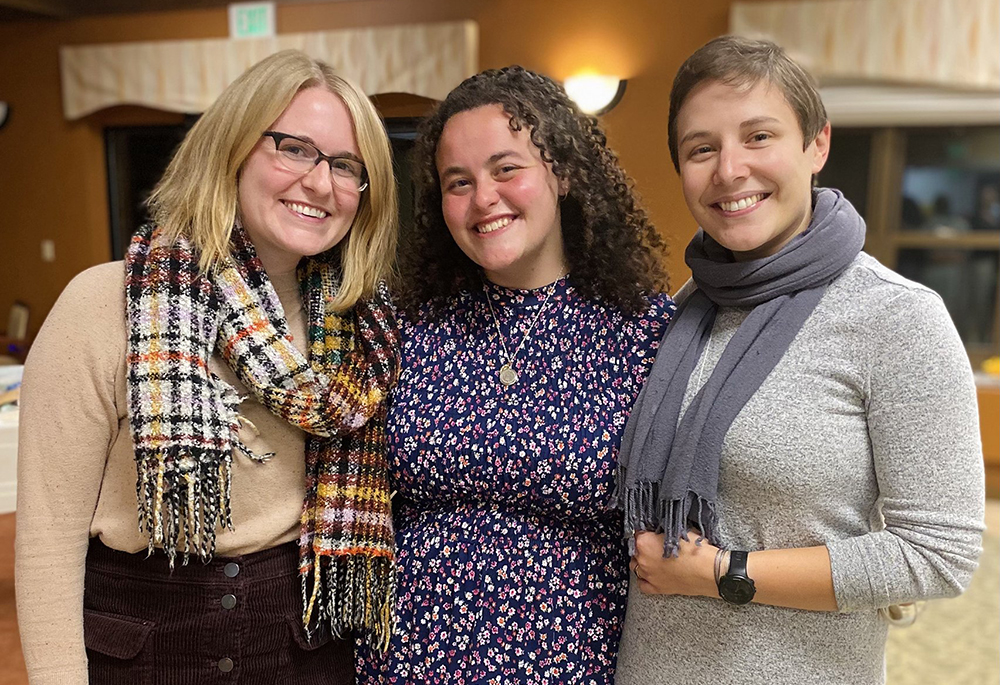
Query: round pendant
[{"x": 508, "y": 376}]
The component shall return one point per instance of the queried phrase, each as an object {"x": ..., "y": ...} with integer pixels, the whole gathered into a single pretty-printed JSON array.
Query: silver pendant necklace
[{"x": 508, "y": 375}]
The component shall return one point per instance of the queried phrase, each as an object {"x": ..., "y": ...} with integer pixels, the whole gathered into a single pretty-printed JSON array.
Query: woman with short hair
[{"x": 806, "y": 454}]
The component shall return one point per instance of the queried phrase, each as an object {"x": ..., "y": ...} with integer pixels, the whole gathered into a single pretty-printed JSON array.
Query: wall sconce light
[
  {"x": 595, "y": 94},
  {"x": 4, "y": 112}
]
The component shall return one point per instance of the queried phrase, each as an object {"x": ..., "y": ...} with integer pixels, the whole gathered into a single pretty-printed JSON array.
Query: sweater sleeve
[
  {"x": 924, "y": 431},
  {"x": 68, "y": 420}
]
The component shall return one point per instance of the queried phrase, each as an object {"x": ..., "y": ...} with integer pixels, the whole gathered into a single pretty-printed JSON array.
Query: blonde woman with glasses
[{"x": 197, "y": 420}]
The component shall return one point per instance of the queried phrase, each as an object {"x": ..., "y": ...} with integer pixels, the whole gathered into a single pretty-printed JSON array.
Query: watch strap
[{"x": 738, "y": 563}]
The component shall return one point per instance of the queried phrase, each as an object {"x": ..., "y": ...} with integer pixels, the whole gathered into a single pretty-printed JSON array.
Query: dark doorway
[{"x": 137, "y": 156}]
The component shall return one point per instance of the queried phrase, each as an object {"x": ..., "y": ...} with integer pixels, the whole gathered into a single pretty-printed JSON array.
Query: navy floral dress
[{"x": 512, "y": 568}]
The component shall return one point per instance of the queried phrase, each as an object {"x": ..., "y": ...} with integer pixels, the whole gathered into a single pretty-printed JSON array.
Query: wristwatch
[{"x": 736, "y": 587}]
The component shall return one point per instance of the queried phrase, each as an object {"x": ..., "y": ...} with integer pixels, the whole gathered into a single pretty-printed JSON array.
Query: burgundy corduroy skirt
[{"x": 234, "y": 620}]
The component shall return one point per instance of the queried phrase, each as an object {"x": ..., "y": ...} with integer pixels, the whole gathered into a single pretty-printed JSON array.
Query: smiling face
[
  {"x": 290, "y": 215},
  {"x": 500, "y": 200},
  {"x": 746, "y": 177}
]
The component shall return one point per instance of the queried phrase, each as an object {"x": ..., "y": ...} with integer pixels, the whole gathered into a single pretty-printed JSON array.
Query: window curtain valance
[
  {"x": 188, "y": 75},
  {"x": 952, "y": 43}
]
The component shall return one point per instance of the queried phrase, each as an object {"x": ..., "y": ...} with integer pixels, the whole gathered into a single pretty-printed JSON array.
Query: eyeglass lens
[{"x": 301, "y": 157}]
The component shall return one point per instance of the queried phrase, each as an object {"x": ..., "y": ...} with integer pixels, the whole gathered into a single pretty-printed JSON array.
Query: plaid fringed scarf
[{"x": 184, "y": 419}]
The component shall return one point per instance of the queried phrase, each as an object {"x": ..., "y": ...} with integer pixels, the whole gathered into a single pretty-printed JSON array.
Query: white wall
[{"x": 9, "y": 375}]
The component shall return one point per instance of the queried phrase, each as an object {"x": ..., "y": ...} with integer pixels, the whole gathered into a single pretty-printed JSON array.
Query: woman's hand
[
  {"x": 691, "y": 572},
  {"x": 798, "y": 578}
]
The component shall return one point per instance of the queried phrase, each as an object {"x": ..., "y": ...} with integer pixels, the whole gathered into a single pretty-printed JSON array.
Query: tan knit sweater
[{"x": 76, "y": 469}]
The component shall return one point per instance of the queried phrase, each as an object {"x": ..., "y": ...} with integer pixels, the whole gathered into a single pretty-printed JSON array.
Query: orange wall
[
  {"x": 989, "y": 411},
  {"x": 52, "y": 176}
]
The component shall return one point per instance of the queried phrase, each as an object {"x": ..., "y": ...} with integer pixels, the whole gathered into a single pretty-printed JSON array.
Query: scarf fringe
[
  {"x": 645, "y": 511},
  {"x": 185, "y": 422},
  {"x": 191, "y": 509},
  {"x": 241, "y": 446},
  {"x": 351, "y": 593}
]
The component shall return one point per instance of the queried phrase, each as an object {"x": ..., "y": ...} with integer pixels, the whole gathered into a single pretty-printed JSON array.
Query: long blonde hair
[{"x": 197, "y": 196}]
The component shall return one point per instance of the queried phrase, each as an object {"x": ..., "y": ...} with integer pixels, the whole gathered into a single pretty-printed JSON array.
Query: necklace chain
[{"x": 508, "y": 376}]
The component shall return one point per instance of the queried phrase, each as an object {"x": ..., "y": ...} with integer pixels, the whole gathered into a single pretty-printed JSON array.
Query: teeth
[
  {"x": 741, "y": 204},
  {"x": 493, "y": 225},
  {"x": 307, "y": 210}
]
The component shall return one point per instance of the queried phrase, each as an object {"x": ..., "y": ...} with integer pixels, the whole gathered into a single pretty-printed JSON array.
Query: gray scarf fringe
[
  {"x": 669, "y": 516},
  {"x": 668, "y": 472}
]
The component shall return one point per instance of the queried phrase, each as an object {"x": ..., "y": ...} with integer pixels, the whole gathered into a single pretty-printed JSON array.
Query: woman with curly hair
[{"x": 532, "y": 302}]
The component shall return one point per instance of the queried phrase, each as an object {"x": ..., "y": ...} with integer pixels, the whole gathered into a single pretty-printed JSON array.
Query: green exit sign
[{"x": 251, "y": 20}]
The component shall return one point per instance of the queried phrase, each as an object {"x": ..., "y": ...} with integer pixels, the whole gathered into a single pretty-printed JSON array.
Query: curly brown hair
[{"x": 614, "y": 252}]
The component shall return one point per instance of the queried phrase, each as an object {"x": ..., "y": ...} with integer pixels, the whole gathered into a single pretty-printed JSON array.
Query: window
[{"x": 931, "y": 199}]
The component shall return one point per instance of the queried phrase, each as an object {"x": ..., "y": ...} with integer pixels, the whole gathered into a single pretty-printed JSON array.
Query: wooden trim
[
  {"x": 973, "y": 240},
  {"x": 885, "y": 178},
  {"x": 54, "y": 9}
]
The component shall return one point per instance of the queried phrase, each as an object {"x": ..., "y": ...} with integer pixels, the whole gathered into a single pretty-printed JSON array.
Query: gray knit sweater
[{"x": 865, "y": 438}]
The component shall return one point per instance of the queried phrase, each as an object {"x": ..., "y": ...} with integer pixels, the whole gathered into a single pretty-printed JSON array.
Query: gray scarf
[{"x": 668, "y": 474}]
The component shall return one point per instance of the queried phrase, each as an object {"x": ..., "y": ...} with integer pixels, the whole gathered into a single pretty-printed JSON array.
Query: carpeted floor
[{"x": 954, "y": 641}]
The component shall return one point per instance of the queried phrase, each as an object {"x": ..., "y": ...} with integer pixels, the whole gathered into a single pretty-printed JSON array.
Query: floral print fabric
[{"x": 512, "y": 567}]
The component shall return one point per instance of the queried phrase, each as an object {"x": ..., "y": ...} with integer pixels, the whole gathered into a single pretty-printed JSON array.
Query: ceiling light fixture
[{"x": 595, "y": 93}]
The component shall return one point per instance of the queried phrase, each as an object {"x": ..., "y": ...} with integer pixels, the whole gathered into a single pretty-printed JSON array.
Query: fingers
[
  {"x": 637, "y": 572},
  {"x": 644, "y": 585},
  {"x": 647, "y": 544}
]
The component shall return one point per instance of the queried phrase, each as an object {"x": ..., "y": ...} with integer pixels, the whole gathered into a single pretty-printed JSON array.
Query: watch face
[{"x": 736, "y": 589}]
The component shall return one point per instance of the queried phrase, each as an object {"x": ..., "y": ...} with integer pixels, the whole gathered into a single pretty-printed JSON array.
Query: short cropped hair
[
  {"x": 198, "y": 197},
  {"x": 743, "y": 62}
]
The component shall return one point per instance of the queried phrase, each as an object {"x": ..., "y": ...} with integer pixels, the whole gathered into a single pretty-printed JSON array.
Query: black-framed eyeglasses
[{"x": 302, "y": 157}]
